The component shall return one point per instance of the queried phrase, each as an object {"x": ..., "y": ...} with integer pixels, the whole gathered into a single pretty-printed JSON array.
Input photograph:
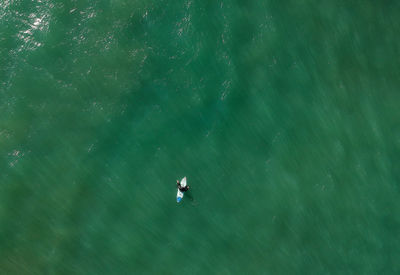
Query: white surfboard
[{"x": 179, "y": 195}]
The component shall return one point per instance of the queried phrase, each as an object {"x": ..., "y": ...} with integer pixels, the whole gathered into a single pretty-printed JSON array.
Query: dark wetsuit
[{"x": 182, "y": 189}]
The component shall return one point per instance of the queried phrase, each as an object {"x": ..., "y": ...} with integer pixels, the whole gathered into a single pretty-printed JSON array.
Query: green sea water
[{"x": 283, "y": 115}]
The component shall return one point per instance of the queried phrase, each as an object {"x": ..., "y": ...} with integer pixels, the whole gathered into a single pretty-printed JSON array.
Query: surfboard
[{"x": 179, "y": 195}]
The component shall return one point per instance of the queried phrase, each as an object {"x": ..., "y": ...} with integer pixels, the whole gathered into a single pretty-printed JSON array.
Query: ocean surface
[{"x": 283, "y": 115}]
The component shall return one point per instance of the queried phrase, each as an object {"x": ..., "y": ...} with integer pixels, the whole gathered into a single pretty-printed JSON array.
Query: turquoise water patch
[{"x": 283, "y": 117}]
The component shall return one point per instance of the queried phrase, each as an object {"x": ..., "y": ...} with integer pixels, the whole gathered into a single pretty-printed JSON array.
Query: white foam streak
[{"x": 35, "y": 24}]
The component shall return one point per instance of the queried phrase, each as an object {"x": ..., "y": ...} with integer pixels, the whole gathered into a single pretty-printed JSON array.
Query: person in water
[{"x": 181, "y": 188}]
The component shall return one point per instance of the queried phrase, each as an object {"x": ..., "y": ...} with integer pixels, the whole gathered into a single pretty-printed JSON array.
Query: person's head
[{"x": 177, "y": 181}]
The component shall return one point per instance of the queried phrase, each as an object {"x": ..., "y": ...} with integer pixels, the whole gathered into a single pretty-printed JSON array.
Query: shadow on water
[{"x": 189, "y": 195}]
